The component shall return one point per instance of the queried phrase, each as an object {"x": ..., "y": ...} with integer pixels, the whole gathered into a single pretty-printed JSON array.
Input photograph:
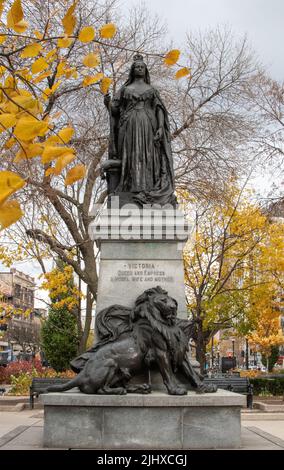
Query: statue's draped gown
[{"x": 147, "y": 168}]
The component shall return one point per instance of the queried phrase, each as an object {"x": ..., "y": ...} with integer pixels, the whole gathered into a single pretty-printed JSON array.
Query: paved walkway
[
  {"x": 24, "y": 430},
  {"x": 9, "y": 420}
]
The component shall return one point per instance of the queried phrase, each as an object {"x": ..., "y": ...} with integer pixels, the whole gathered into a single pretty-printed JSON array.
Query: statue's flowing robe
[{"x": 146, "y": 165}]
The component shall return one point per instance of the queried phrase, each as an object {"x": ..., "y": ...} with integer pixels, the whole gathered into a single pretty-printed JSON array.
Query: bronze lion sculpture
[{"x": 131, "y": 341}]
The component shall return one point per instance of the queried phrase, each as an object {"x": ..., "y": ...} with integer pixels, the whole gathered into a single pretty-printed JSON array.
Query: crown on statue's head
[{"x": 138, "y": 57}]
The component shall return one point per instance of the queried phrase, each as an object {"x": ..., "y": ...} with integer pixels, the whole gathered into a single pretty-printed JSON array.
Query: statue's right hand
[{"x": 107, "y": 100}]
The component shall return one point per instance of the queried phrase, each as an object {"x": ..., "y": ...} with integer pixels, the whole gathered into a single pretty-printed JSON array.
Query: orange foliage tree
[{"x": 232, "y": 269}]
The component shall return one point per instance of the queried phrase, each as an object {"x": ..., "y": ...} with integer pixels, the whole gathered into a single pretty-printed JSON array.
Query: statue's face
[{"x": 139, "y": 69}]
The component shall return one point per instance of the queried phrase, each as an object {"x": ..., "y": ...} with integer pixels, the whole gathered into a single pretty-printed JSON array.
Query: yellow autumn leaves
[
  {"x": 15, "y": 21},
  {"x": 92, "y": 60},
  {"x": 15, "y": 18},
  {"x": 10, "y": 182},
  {"x": 62, "y": 155},
  {"x": 52, "y": 149},
  {"x": 88, "y": 33},
  {"x": 57, "y": 282},
  {"x": 32, "y": 50},
  {"x": 39, "y": 65},
  {"x": 7, "y": 120},
  {"x": 171, "y": 58},
  {"x": 10, "y": 210},
  {"x": 107, "y": 31},
  {"x": 20, "y": 117},
  {"x": 90, "y": 79},
  {"x": 75, "y": 174},
  {"x": 69, "y": 20},
  {"x": 28, "y": 127}
]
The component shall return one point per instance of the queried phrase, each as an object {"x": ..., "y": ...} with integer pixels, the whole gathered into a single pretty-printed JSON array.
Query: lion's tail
[{"x": 75, "y": 382}]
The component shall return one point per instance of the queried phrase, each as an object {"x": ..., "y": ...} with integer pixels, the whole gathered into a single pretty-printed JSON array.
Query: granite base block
[{"x": 155, "y": 421}]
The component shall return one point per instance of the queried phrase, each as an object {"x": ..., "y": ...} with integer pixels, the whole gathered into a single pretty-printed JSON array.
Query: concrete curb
[
  {"x": 268, "y": 408},
  {"x": 262, "y": 416},
  {"x": 17, "y": 407}
]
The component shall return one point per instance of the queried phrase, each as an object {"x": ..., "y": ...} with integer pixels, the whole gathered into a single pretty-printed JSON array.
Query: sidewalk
[{"x": 24, "y": 430}]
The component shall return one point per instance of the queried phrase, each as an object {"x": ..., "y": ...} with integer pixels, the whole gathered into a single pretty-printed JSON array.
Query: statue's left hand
[{"x": 158, "y": 135}]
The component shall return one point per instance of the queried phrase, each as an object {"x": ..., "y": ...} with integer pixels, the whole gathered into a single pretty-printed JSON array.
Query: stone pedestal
[
  {"x": 156, "y": 421},
  {"x": 141, "y": 249}
]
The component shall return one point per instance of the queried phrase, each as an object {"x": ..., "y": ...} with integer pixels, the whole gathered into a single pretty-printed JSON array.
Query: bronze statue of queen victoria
[{"x": 140, "y": 148}]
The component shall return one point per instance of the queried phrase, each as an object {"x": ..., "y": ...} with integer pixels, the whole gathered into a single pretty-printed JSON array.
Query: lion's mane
[{"x": 166, "y": 336}]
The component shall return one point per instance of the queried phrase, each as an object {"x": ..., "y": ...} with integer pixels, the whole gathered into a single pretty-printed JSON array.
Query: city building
[
  {"x": 276, "y": 211},
  {"x": 22, "y": 331},
  {"x": 17, "y": 289},
  {"x": 237, "y": 347}
]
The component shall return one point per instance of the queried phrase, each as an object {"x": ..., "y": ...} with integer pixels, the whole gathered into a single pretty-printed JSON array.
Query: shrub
[
  {"x": 273, "y": 386},
  {"x": 278, "y": 371},
  {"x": 17, "y": 368},
  {"x": 25, "y": 369},
  {"x": 59, "y": 338},
  {"x": 22, "y": 382},
  {"x": 250, "y": 373}
]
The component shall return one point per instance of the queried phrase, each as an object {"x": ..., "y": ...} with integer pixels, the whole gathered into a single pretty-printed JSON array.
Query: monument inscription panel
[
  {"x": 124, "y": 280},
  {"x": 141, "y": 272}
]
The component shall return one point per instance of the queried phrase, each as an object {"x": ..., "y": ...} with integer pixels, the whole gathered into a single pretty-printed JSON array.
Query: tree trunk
[
  {"x": 88, "y": 321},
  {"x": 79, "y": 327},
  {"x": 201, "y": 349}
]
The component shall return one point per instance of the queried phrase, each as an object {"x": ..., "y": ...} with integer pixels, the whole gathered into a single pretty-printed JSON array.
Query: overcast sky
[{"x": 261, "y": 20}]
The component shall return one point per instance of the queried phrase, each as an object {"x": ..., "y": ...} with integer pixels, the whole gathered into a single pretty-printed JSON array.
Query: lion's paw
[
  {"x": 207, "y": 388},
  {"x": 178, "y": 391},
  {"x": 146, "y": 388}
]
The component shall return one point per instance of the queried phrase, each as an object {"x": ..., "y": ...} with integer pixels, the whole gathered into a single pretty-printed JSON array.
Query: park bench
[
  {"x": 39, "y": 385},
  {"x": 234, "y": 384}
]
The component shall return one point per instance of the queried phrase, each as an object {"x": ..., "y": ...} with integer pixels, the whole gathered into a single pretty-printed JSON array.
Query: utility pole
[{"x": 247, "y": 354}]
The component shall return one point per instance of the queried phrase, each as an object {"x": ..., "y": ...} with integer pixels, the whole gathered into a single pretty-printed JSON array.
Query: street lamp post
[
  {"x": 212, "y": 352},
  {"x": 247, "y": 354},
  {"x": 233, "y": 343}
]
